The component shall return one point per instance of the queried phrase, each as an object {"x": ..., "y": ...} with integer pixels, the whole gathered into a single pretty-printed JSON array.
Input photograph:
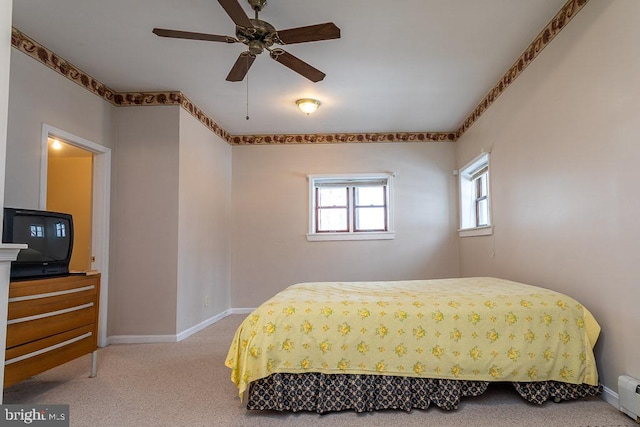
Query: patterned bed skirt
[{"x": 364, "y": 393}]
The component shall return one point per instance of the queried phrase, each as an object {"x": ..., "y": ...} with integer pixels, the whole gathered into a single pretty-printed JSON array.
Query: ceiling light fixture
[
  {"x": 56, "y": 145},
  {"x": 308, "y": 105}
]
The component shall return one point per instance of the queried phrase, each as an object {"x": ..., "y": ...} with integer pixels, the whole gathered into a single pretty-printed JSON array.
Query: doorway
[
  {"x": 98, "y": 180},
  {"x": 69, "y": 190}
]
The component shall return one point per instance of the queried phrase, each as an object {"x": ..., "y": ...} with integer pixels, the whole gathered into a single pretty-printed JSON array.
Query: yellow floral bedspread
[{"x": 482, "y": 328}]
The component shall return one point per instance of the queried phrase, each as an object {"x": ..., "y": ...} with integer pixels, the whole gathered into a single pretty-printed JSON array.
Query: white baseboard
[
  {"x": 140, "y": 339},
  {"x": 146, "y": 339},
  {"x": 241, "y": 310},
  {"x": 200, "y": 326},
  {"x": 611, "y": 397}
]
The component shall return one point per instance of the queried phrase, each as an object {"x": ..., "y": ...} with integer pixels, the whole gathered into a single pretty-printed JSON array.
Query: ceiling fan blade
[
  {"x": 297, "y": 65},
  {"x": 236, "y": 13},
  {"x": 311, "y": 33},
  {"x": 241, "y": 67},
  {"x": 192, "y": 36}
]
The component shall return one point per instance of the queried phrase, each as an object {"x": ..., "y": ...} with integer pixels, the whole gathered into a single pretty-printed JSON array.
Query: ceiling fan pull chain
[{"x": 247, "y": 87}]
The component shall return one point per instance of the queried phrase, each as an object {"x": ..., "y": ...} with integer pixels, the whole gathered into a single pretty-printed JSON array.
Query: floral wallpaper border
[
  {"x": 559, "y": 21},
  {"x": 40, "y": 53},
  {"x": 342, "y": 138}
]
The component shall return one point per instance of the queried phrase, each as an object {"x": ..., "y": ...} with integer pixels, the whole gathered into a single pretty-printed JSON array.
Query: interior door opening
[
  {"x": 93, "y": 247},
  {"x": 69, "y": 190}
]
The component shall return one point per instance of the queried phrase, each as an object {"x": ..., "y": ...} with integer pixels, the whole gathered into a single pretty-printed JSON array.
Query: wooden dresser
[{"x": 50, "y": 322}]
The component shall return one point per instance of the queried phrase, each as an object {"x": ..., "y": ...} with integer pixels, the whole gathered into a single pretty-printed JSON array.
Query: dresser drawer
[
  {"x": 19, "y": 289},
  {"x": 27, "y": 329},
  {"x": 33, "y": 307},
  {"x": 29, "y": 359}
]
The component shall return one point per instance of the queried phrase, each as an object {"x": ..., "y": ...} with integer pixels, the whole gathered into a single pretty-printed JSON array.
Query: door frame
[{"x": 101, "y": 195}]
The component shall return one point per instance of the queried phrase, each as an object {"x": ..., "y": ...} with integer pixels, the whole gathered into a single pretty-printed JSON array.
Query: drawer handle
[
  {"x": 51, "y": 313},
  {"x": 52, "y": 294},
  {"x": 47, "y": 349}
]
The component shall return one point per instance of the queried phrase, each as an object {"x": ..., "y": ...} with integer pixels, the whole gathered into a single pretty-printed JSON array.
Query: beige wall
[
  {"x": 270, "y": 217},
  {"x": 204, "y": 235},
  {"x": 37, "y": 96},
  {"x": 170, "y": 239},
  {"x": 144, "y": 222},
  {"x": 565, "y": 150}
]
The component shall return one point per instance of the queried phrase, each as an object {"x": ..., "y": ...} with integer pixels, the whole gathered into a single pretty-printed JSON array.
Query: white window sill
[
  {"x": 322, "y": 237},
  {"x": 477, "y": 231}
]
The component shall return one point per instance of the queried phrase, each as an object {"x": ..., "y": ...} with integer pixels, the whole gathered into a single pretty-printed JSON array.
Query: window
[
  {"x": 475, "y": 212},
  {"x": 350, "y": 207}
]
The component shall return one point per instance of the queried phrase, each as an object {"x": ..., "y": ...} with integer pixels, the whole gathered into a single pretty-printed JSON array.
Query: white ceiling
[{"x": 399, "y": 66}]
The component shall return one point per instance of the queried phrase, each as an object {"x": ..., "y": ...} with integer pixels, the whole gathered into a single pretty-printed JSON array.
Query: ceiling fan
[{"x": 259, "y": 35}]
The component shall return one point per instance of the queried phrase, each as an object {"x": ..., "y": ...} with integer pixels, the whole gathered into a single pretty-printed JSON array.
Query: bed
[{"x": 365, "y": 346}]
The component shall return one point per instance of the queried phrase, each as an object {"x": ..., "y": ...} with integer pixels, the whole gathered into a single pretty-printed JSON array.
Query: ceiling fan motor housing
[{"x": 259, "y": 37}]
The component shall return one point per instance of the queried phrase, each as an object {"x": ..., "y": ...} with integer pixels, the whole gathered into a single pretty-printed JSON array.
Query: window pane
[
  {"x": 370, "y": 219},
  {"x": 480, "y": 186},
  {"x": 332, "y": 220},
  {"x": 367, "y": 196},
  {"x": 332, "y": 196},
  {"x": 483, "y": 212}
]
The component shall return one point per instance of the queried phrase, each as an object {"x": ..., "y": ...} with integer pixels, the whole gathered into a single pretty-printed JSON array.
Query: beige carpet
[{"x": 187, "y": 384}]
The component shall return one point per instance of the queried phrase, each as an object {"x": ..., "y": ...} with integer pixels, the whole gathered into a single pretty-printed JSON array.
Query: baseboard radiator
[{"x": 629, "y": 396}]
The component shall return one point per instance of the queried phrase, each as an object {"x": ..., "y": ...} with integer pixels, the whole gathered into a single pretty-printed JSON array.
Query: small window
[
  {"x": 350, "y": 207},
  {"x": 475, "y": 204}
]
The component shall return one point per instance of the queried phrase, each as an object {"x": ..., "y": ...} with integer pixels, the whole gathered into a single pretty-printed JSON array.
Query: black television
[{"x": 49, "y": 236}]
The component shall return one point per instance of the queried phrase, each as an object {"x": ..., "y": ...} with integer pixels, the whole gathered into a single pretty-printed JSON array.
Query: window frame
[
  {"x": 470, "y": 189},
  {"x": 351, "y": 182}
]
